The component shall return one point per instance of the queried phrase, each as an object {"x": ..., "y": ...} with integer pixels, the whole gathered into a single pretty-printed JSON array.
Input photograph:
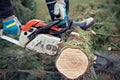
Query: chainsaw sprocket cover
[{"x": 44, "y": 43}]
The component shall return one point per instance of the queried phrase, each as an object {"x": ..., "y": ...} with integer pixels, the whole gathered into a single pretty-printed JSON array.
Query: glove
[
  {"x": 11, "y": 25},
  {"x": 60, "y": 12}
]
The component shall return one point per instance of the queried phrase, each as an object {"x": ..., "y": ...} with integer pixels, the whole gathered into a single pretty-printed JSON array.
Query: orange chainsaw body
[{"x": 37, "y": 23}]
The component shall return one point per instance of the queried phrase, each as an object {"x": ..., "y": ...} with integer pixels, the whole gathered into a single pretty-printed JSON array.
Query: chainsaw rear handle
[{"x": 41, "y": 29}]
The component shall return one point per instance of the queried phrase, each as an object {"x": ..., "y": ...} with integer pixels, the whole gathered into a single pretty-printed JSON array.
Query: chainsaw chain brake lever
[{"x": 39, "y": 30}]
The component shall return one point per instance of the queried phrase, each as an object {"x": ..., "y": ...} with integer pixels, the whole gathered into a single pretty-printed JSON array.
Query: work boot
[
  {"x": 11, "y": 25},
  {"x": 87, "y": 23}
]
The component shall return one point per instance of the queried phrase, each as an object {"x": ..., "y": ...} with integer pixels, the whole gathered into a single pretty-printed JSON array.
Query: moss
[{"x": 84, "y": 43}]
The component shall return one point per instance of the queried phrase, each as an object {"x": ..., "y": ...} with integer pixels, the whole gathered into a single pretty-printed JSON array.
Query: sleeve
[{"x": 6, "y": 8}]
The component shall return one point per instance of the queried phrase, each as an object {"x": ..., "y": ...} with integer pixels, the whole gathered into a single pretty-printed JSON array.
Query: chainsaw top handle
[
  {"x": 47, "y": 26},
  {"x": 41, "y": 29}
]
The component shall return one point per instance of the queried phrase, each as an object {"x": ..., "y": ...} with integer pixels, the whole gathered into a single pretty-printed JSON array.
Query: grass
[
  {"x": 42, "y": 11},
  {"x": 75, "y": 7}
]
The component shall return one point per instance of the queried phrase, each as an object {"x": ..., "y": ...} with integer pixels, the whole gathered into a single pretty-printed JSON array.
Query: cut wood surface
[{"x": 72, "y": 62}]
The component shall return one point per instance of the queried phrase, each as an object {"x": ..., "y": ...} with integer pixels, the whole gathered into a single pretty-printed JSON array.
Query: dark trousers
[{"x": 6, "y": 8}]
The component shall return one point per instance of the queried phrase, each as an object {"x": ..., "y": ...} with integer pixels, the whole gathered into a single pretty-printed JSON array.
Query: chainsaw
[{"x": 38, "y": 36}]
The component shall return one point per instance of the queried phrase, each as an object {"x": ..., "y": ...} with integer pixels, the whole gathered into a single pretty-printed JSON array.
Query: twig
[
  {"x": 108, "y": 35},
  {"x": 25, "y": 71},
  {"x": 12, "y": 78}
]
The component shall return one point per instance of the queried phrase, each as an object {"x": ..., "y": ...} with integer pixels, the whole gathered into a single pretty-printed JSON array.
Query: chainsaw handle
[
  {"x": 39, "y": 30},
  {"x": 47, "y": 26}
]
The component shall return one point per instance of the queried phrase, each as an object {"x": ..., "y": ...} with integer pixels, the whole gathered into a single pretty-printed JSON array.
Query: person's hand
[
  {"x": 60, "y": 11},
  {"x": 11, "y": 25}
]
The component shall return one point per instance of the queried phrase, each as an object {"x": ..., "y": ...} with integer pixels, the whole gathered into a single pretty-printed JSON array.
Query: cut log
[
  {"x": 75, "y": 61},
  {"x": 72, "y": 62}
]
